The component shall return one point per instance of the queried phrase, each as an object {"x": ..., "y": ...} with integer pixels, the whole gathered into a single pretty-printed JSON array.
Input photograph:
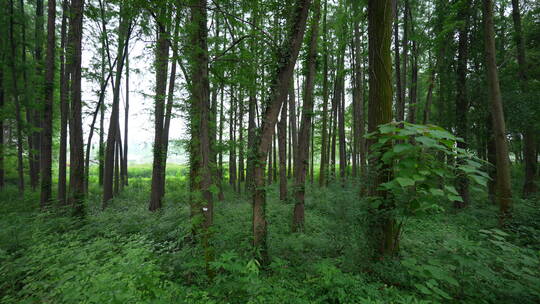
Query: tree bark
[
  {"x": 46, "y": 136},
  {"x": 125, "y": 177},
  {"x": 64, "y": 109},
  {"x": 158, "y": 165},
  {"x": 384, "y": 229},
  {"x": 462, "y": 101},
  {"x": 529, "y": 142},
  {"x": 278, "y": 94},
  {"x": 323, "y": 170},
  {"x": 282, "y": 143},
  {"x": 504, "y": 192},
  {"x": 112, "y": 136},
  {"x": 76, "y": 177},
  {"x": 18, "y": 118},
  {"x": 302, "y": 156},
  {"x": 200, "y": 144},
  {"x": 400, "y": 104}
]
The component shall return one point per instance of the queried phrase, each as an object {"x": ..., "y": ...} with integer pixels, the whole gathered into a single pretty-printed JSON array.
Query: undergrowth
[{"x": 126, "y": 254}]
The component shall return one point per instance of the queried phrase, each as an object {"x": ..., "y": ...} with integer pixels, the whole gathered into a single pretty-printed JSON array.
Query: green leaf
[
  {"x": 451, "y": 189},
  {"x": 436, "y": 192},
  {"x": 455, "y": 198},
  {"x": 402, "y": 147},
  {"x": 404, "y": 181}
]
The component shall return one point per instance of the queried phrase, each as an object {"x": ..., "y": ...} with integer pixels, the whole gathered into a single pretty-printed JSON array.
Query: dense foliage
[{"x": 127, "y": 255}]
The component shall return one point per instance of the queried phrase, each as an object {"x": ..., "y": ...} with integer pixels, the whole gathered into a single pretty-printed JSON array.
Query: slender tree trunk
[
  {"x": 359, "y": 120},
  {"x": 112, "y": 136},
  {"x": 429, "y": 96},
  {"x": 282, "y": 143},
  {"x": 405, "y": 57},
  {"x": 504, "y": 192},
  {"x": 323, "y": 170},
  {"x": 39, "y": 104},
  {"x": 293, "y": 124},
  {"x": 302, "y": 156},
  {"x": 158, "y": 166},
  {"x": 124, "y": 170},
  {"x": 76, "y": 176},
  {"x": 46, "y": 137},
  {"x": 414, "y": 83},
  {"x": 462, "y": 102},
  {"x": 400, "y": 104},
  {"x": 200, "y": 144},
  {"x": 278, "y": 94},
  {"x": 529, "y": 142},
  {"x": 2, "y": 102},
  {"x": 18, "y": 118},
  {"x": 232, "y": 139},
  {"x": 241, "y": 176},
  {"x": 64, "y": 109},
  {"x": 221, "y": 195},
  {"x": 170, "y": 102},
  {"x": 341, "y": 130},
  {"x": 384, "y": 228},
  {"x": 103, "y": 84}
]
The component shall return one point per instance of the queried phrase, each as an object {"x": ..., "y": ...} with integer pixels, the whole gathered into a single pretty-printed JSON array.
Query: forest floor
[{"x": 126, "y": 254}]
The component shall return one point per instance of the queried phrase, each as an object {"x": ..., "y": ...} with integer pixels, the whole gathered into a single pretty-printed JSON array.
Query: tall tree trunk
[
  {"x": 64, "y": 109},
  {"x": 462, "y": 102},
  {"x": 2, "y": 101},
  {"x": 282, "y": 143},
  {"x": 323, "y": 170},
  {"x": 221, "y": 195},
  {"x": 341, "y": 130},
  {"x": 414, "y": 83},
  {"x": 241, "y": 176},
  {"x": 293, "y": 124},
  {"x": 103, "y": 84},
  {"x": 400, "y": 103},
  {"x": 124, "y": 170},
  {"x": 302, "y": 155},
  {"x": 38, "y": 107},
  {"x": 504, "y": 191},
  {"x": 170, "y": 101},
  {"x": 385, "y": 230},
  {"x": 429, "y": 96},
  {"x": 112, "y": 136},
  {"x": 18, "y": 118},
  {"x": 359, "y": 121},
  {"x": 278, "y": 94},
  {"x": 46, "y": 137},
  {"x": 31, "y": 108},
  {"x": 405, "y": 57},
  {"x": 76, "y": 170},
  {"x": 232, "y": 139},
  {"x": 200, "y": 144},
  {"x": 529, "y": 142},
  {"x": 158, "y": 165}
]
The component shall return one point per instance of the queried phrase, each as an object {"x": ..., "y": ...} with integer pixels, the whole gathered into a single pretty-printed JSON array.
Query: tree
[
  {"x": 385, "y": 230},
  {"x": 302, "y": 156},
  {"x": 529, "y": 138},
  {"x": 76, "y": 178},
  {"x": 200, "y": 175},
  {"x": 46, "y": 136},
  {"x": 280, "y": 85},
  {"x": 462, "y": 102},
  {"x": 14, "y": 79},
  {"x": 161, "y": 65},
  {"x": 64, "y": 109},
  {"x": 114, "y": 123},
  {"x": 504, "y": 191}
]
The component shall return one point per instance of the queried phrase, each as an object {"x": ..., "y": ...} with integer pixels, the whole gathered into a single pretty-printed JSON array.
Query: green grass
[{"x": 126, "y": 254}]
